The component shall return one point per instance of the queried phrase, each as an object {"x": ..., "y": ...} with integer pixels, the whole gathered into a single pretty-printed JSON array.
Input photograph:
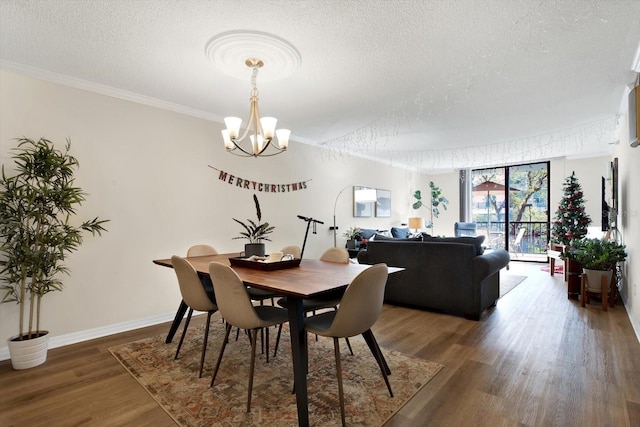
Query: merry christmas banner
[{"x": 261, "y": 187}]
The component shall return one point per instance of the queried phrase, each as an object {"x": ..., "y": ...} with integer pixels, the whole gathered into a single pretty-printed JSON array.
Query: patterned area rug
[
  {"x": 191, "y": 402},
  {"x": 508, "y": 282}
]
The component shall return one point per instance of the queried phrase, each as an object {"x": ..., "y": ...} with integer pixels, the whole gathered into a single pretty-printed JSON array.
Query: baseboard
[
  {"x": 89, "y": 334},
  {"x": 636, "y": 326},
  {"x": 635, "y": 323}
]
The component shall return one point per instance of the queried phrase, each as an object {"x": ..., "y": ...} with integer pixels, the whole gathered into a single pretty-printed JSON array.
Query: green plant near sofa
[
  {"x": 436, "y": 201},
  {"x": 37, "y": 210},
  {"x": 596, "y": 254},
  {"x": 352, "y": 233}
]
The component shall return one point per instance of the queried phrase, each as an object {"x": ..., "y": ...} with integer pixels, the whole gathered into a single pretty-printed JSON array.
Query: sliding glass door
[{"x": 510, "y": 206}]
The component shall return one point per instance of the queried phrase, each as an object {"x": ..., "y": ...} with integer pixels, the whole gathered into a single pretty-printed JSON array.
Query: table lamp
[{"x": 415, "y": 223}]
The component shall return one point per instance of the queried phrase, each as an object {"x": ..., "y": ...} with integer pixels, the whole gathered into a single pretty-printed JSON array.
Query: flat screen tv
[{"x": 604, "y": 206}]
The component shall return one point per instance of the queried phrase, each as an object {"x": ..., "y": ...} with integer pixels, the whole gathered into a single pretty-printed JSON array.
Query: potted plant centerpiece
[
  {"x": 37, "y": 207},
  {"x": 255, "y": 232},
  {"x": 598, "y": 258}
]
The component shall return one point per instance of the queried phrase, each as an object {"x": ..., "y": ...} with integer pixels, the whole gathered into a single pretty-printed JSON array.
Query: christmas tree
[{"x": 571, "y": 220}]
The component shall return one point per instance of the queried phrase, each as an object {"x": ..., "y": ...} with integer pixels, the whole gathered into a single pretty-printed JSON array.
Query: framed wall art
[
  {"x": 383, "y": 203},
  {"x": 363, "y": 201}
]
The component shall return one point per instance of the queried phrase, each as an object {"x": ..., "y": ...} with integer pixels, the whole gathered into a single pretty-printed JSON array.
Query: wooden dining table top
[{"x": 311, "y": 278}]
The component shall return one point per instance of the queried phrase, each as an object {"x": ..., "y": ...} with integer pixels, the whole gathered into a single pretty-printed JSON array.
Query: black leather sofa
[{"x": 451, "y": 275}]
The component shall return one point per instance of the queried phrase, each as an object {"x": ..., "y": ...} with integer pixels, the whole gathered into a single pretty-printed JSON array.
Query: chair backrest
[
  {"x": 361, "y": 304},
  {"x": 337, "y": 255},
  {"x": 191, "y": 289},
  {"x": 293, "y": 250},
  {"x": 519, "y": 236},
  {"x": 232, "y": 297},
  {"x": 463, "y": 229},
  {"x": 201, "y": 250}
]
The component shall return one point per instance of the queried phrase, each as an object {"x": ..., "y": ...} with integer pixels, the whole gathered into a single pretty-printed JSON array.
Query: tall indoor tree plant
[
  {"x": 37, "y": 207},
  {"x": 436, "y": 201}
]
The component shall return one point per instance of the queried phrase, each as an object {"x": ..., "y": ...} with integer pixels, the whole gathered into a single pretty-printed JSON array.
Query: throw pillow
[
  {"x": 367, "y": 233},
  {"x": 399, "y": 233}
]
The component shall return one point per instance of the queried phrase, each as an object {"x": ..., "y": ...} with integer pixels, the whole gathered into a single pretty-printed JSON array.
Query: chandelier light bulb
[
  {"x": 233, "y": 126},
  {"x": 228, "y": 144},
  {"x": 268, "y": 126},
  {"x": 283, "y": 138}
]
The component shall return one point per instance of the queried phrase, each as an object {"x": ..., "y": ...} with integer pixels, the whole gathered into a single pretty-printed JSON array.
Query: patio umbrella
[{"x": 491, "y": 187}]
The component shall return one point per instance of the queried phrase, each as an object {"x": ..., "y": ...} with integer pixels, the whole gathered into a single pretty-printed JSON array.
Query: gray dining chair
[
  {"x": 331, "y": 299},
  {"x": 292, "y": 250},
  {"x": 196, "y": 298},
  {"x": 201, "y": 250},
  {"x": 236, "y": 308},
  {"x": 359, "y": 309}
]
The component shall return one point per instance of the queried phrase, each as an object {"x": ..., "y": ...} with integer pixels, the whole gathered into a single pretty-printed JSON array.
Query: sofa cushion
[
  {"x": 381, "y": 237},
  {"x": 475, "y": 241},
  {"x": 367, "y": 233},
  {"x": 399, "y": 233}
]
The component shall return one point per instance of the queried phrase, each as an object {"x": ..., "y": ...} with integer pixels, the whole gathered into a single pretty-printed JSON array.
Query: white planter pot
[
  {"x": 594, "y": 280},
  {"x": 28, "y": 353}
]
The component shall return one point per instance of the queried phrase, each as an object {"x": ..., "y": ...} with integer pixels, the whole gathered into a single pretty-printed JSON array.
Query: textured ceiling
[{"x": 424, "y": 84}]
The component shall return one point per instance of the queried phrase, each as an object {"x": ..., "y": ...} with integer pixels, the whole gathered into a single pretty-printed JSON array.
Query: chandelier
[{"x": 261, "y": 131}]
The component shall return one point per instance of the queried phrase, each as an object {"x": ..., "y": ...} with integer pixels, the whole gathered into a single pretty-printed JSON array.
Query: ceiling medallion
[{"x": 229, "y": 50}]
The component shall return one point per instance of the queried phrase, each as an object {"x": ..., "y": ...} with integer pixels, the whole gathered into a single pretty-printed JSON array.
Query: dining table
[{"x": 312, "y": 278}]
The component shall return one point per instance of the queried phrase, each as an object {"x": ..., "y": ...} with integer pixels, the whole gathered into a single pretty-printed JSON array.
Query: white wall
[
  {"x": 629, "y": 219},
  {"x": 146, "y": 170}
]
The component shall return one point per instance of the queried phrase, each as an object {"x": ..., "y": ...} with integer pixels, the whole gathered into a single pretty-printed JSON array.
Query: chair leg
[
  {"x": 184, "y": 332},
  {"x": 277, "y": 340},
  {"x": 336, "y": 349},
  {"x": 253, "y": 362},
  {"x": 266, "y": 342},
  {"x": 224, "y": 345},
  {"x": 262, "y": 336},
  {"x": 377, "y": 353},
  {"x": 204, "y": 342},
  {"x": 349, "y": 345},
  {"x": 375, "y": 350}
]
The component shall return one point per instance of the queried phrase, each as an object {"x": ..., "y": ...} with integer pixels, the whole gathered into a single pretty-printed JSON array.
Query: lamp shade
[{"x": 415, "y": 223}]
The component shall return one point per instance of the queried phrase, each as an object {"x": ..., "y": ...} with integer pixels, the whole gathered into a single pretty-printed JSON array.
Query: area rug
[
  {"x": 508, "y": 282},
  {"x": 191, "y": 402}
]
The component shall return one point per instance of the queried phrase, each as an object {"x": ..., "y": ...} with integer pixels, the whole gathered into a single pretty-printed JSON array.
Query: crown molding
[{"x": 101, "y": 89}]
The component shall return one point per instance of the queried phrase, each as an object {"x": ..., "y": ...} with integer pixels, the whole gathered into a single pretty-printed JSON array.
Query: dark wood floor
[{"x": 537, "y": 359}]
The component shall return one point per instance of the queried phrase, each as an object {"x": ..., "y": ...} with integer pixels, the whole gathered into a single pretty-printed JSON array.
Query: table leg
[
  {"x": 299, "y": 355},
  {"x": 604, "y": 294},
  {"x": 375, "y": 350},
  {"x": 182, "y": 309}
]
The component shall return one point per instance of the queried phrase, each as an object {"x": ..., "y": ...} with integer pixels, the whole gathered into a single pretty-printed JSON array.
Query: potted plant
[
  {"x": 598, "y": 258},
  {"x": 255, "y": 232},
  {"x": 353, "y": 237},
  {"x": 436, "y": 201},
  {"x": 37, "y": 206}
]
